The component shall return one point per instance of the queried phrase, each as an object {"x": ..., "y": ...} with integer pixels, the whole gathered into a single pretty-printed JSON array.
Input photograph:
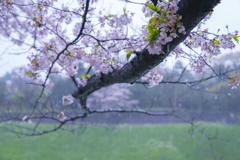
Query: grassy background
[{"x": 145, "y": 142}]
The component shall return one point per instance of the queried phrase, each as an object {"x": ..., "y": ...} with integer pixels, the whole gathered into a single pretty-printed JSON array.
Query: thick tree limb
[{"x": 192, "y": 11}]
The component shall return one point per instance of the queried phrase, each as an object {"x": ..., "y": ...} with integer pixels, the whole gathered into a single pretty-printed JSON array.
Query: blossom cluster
[
  {"x": 163, "y": 26},
  {"x": 154, "y": 76},
  {"x": 234, "y": 80},
  {"x": 209, "y": 46},
  {"x": 198, "y": 64}
]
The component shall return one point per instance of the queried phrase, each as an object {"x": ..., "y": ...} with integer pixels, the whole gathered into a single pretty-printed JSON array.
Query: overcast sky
[{"x": 226, "y": 13}]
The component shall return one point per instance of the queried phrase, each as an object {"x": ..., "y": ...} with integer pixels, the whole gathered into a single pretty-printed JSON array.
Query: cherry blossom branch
[
  {"x": 144, "y": 62},
  {"x": 193, "y": 82},
  {"x": 203, "y": 60},
  {"x": 66, "y": 47}
]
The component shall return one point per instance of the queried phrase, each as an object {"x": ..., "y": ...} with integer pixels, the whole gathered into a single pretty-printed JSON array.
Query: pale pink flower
[
  {"x": 25, "y": 118},
  {"x": 154, "y": 49},
  {"x": 162, "y": 5},
  {"x": 234, "y": 87},
  {"x": 82, "y": 81},
  {"x": 67, "y": 100},
  {"x": 181, "y": 29},
  {"x": 154, "y": 76},
  {"x": 174, "y": 35},
  {"x": 49, "y": 86},
  {"x": 169, "y": 39},
  {"x": 62, "y": 116}
]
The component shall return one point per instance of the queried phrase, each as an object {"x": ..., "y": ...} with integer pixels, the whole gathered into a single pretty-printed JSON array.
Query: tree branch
[{"x": 192, "y": 13}]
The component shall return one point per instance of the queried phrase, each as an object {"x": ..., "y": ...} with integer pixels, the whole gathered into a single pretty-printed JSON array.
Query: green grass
[{"x": 145, "y": 142}]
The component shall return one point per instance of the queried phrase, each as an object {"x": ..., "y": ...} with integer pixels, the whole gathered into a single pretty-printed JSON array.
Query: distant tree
[
  {"x": 16, "y": 92},
  {"x": 116, "y": 97}
]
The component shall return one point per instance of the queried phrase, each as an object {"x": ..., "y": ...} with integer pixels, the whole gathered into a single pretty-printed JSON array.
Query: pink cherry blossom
[
  {"x": 66, "y": 100},
  {"x": 49, "y": 85},
  {"x": 25, "y": 118},
  {"x": 154, "y": 76},
  {"x": 62, "y": 116}
]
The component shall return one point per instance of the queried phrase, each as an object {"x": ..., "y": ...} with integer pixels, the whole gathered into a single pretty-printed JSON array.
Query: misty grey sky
[{"x": 226, "y": 13}]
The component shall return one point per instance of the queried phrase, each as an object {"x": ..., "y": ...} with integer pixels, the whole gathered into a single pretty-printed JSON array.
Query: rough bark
[{"x": 192, "y": 11}]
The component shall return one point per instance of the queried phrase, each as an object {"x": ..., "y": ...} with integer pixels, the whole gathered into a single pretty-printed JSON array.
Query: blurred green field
[{"x": 144, "y": 142}]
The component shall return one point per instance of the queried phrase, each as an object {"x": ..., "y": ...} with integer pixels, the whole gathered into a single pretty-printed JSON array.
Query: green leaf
[
  {"x": 148, "y": 36},
  {"x": 152, "y": 34},
  {"x": 152, "y": 7},
  {"x": 177, "y": 20},
  {"x": 124, "y": 10},
  {"x": 113, "y": 60},
  {"x": 111, "y": 15},
  {"x": 129, "y": 51},
  {"x": 217, "y": 43},
  {"x": 38, "y": 18},
  {"x": 29, "y": 73},
  {"x": 128, "y": 55},
  {"x": 150, "y": 29},
  {"x": 164, "y": 13},
  {"x": 151, "y": 39},
  {"x": 151, "y": 20},
  {"x": 85, "y": 76},
  {"x": 236, "y": 38}
]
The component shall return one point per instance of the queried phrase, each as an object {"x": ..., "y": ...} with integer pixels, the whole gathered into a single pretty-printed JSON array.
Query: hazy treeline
[{"x": 214, "y": 94}]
